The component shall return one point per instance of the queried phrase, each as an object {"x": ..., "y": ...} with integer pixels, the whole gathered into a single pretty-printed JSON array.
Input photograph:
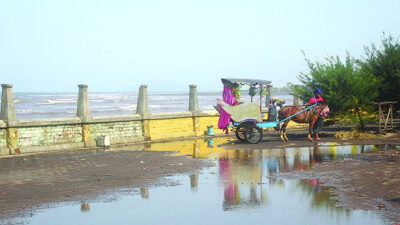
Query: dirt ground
[
  {"x": 368, "y": 181},
  {"x": 298, "y": 138},
  {"x": 30, "y": 181}
]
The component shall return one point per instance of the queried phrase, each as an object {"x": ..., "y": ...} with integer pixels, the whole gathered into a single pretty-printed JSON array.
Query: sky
[{"x": 52, "y": 46}]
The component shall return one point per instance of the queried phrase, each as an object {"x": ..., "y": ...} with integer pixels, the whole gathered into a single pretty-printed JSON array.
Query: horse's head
[{"x": 322, "y": 110}]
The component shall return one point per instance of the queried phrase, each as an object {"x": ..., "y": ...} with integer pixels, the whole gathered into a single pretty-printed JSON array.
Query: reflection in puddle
[
  {"x": 85, "y": 207},
  {"x": 238, "y": 190},
  {"x": 272, "y": 160},
  {"x": 194, "y": 181},
  {"x": 144, "y": 192}
]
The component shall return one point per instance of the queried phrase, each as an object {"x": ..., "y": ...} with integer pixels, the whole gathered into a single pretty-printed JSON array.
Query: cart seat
[{"x": 247, "y": 111}]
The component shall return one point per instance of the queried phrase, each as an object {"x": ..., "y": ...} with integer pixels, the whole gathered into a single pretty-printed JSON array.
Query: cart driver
[
  {"x": 319, "y": 123},
  {"x": 317, "y": 97}
]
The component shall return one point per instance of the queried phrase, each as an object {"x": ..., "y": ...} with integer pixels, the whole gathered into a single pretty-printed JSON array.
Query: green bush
[{"x": 346, "y": 88}]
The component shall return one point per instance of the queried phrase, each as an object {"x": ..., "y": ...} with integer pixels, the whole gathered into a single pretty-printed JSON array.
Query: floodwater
[{"x": 237, "y": 189}]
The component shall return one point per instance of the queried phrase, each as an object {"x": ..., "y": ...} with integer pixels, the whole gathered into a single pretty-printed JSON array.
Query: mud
[
  {"x": 370, "y": 182},
  {"x": 367, "y": 181},
  {"x": 33, "y": 182},
  {"x": 298, "y": 138}
]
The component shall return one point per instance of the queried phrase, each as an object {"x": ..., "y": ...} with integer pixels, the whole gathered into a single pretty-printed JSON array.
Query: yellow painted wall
[
  {"x": 171, "y": 128},
  {"x": 213, "y": 120},
  {"x": 162, "y": 129},
  {"x": 209, "y": 120}
]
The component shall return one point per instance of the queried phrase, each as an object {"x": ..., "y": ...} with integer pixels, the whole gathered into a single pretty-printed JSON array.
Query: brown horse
[{"x": 310, "y": 116}]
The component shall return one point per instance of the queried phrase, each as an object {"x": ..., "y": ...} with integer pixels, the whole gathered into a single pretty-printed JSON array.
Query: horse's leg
[
  {"x": 310, "y": 128},
  {"x": 283, "y": 131}
]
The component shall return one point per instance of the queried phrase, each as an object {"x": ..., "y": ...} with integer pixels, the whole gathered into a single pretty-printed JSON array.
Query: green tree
[
  {"x": 384, "y": 63},
  {"x": 346, "y": 88},
  {"x": 252, "y": 92},
  {"x": 299, "y": 90}
]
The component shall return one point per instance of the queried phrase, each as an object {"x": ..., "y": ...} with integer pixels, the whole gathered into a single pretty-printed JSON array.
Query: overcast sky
[{"x": 51, "y": 46}]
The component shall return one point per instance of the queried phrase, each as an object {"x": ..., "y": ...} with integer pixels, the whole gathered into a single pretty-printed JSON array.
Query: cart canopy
[{"x": 251, "y": 82}]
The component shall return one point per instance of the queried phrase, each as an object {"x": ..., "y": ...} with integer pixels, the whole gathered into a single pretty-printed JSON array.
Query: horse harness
[
  {"x": 314, "y": 111},
  {"x": 320, "y": 113}
]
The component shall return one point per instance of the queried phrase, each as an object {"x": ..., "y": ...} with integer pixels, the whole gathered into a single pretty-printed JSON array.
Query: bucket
[{"x": 210, "y": 130}]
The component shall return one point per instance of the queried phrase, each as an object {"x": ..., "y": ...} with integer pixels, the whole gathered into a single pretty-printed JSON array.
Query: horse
[{"x": 310, "y": 116}]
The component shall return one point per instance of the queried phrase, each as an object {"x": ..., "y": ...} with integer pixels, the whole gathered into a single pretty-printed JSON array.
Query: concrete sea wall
[{"x": 83, "y": 130}]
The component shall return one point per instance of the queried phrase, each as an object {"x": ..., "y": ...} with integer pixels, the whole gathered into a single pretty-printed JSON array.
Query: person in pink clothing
[
  {"x": 225, "y": 118},
  {"x": 319, "y": 123},
  {"x": 317, "y": 97}
]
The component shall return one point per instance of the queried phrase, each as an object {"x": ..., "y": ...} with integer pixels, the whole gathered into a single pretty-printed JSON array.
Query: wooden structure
[{"x": 387, "y": 121}]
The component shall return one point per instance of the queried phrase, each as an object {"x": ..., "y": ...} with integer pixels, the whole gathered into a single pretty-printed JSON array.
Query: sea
[{"x": 56, "y": 105}]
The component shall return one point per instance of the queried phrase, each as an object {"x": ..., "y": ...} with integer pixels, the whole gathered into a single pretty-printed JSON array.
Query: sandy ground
[{"x": 28, "y": 182}]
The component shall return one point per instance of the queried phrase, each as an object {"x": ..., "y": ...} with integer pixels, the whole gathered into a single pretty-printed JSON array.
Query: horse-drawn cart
[{"x": 247, "y": 118}]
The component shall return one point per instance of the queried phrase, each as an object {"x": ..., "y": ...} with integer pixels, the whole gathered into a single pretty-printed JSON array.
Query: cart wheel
[
  {"x": 253, "y": 134},
  {"x": 240, "y": 130}
]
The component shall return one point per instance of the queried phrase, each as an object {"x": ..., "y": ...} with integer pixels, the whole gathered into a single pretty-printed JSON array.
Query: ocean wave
[
  {"x": 55, "y": 112},
  {"x": 168, "y": 98},
  {"x": 24, "y": 111},
  {"x": 108, "y": 112},
  {"x": 101, "y": 106},
  {"x": 208, "y": 107},
  {"x": 44, "y": 113},
  {"x": 156, "y": 106},
  {"x": 128, "y": 107},
  {"x": 47, "y": 95},
  {"x": 64, "y": 105},
  {"x": 56, "y": 101},
  {"x": 96, "y": 100}
]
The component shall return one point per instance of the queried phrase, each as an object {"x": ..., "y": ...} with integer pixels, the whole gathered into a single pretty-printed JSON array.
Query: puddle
[{"x": 239, "y": 189}]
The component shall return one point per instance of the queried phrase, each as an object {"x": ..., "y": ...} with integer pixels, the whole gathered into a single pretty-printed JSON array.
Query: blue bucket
[{"x": 210, "y": 130}]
